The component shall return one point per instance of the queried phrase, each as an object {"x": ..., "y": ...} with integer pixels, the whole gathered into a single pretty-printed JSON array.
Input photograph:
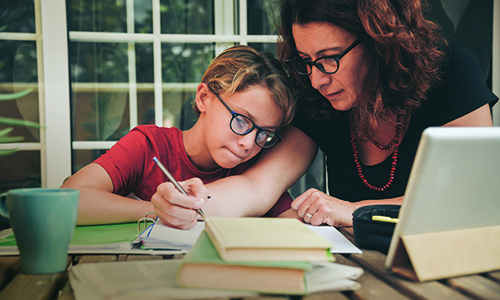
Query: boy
[{"x": 245, "y": 96}]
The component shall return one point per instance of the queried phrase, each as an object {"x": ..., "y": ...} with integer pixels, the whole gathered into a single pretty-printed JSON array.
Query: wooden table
[{"x": 376, "y": 282}]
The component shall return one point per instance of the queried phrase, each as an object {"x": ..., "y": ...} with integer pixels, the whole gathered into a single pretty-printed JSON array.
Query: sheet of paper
[
  {"x": 160, "y": 236},
  {"x": 341, "y": 243}
]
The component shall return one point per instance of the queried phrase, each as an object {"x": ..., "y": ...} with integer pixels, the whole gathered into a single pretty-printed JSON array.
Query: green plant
[{"x": 4, "y": 133}]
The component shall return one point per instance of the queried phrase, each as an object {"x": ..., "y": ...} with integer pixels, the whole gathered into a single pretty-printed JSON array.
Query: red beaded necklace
[{"x": 394, "y": 142}]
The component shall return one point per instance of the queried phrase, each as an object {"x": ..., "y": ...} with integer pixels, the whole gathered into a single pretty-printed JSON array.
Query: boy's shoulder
[{"x": 153, "y": 130}]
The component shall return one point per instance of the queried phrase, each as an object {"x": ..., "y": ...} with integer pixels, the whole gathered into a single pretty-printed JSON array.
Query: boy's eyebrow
[{"x": 252, "y": 117}]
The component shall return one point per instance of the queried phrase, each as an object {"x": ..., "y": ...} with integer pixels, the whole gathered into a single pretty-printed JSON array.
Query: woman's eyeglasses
[
  {"x": 242, "y": 125},
  {"x": 326, "y": 64}
]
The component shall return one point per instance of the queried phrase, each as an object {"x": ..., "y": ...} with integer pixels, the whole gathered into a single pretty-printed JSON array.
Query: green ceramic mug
[{"x": 43, "y": 221}]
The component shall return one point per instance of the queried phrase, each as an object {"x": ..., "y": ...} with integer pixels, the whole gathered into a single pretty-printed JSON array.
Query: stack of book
[{"x": 266, "y": 255}]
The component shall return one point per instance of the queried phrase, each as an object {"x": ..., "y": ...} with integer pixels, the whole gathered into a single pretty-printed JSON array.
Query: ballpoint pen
[{"x": 175, "y": 183}]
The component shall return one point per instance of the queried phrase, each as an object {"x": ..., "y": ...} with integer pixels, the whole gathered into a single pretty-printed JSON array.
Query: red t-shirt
[{"x": 130, "y": 164}]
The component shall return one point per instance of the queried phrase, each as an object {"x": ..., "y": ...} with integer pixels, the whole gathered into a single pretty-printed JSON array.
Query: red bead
[{"x": 394, "y": 142}]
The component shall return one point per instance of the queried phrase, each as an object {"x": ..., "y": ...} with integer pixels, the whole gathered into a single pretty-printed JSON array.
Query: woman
[{"x": 372, "y": 75}]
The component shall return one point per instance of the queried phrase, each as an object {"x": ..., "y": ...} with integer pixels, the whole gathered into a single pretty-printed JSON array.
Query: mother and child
[{"x": 363, "y": 79}]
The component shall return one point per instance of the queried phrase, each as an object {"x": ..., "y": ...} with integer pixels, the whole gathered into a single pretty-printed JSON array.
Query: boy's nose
[{"x": 247, "y": 141}]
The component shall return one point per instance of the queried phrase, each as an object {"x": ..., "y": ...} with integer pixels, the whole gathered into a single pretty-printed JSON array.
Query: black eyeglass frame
[
  {"x": 336, "y": 57},
  {"x": 259, "y": 129}
]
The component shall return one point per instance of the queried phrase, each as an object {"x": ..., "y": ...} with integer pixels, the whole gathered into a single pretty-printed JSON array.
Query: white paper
[
  {"x": 160, "y": 236},
  {"x": 340, "y": 242}
]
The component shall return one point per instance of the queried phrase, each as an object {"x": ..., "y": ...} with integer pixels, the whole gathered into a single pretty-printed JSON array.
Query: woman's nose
[{"x": 318, "y": 78}]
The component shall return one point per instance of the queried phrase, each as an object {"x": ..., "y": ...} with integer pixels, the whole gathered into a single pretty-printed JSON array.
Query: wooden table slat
[
  {"x": 494, "y": 276},
  {"x": 476, "y": 286},
  {"x": 67, "y": 292},
  {"x": 33, "y": 287},
  {"x": 326, "y": 296},
  {"x": 371, "y": 287},
  {"x": 375, "y": 262},
  {"x": 97, "y": 258},
  {"x": 9, "y": 267},
  {"x": 144, "y": 257}
]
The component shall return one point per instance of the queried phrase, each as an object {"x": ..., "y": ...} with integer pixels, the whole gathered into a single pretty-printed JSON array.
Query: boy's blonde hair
[{"x": 238, "y": 68}]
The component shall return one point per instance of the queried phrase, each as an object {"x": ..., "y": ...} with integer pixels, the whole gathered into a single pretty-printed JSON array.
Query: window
[
  {"x": 105, "y": 66},
  {"x": 139, "y": 61},
  {"x": 20, "y": 45}
]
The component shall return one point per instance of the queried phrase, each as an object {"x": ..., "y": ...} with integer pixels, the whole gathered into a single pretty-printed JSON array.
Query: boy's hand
[{"x": 176, "y": 209}]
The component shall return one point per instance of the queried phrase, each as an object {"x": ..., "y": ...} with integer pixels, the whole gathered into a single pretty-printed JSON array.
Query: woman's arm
[
  {"x": 252, "y": 193},
  {"x": 98, "y": 204},
  {"x": 338, "y": 213}
]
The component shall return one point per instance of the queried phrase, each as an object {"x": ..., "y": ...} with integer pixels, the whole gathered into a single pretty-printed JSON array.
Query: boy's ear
[{"x": 203, "y": 97}]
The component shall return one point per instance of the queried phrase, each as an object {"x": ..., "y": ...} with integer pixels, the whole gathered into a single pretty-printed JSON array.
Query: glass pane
[
  {"x": 20, "y": 169},
  {"x": 100, "y": 113},
  {"x": 99, "y": 72},
  {"x": 81, "y": 158},
  {"x": 98, "y": 16},
  {"x": 261, "y": 15},
  {"x": 144, "y": 62},
  {"x": 18, "y": 78},
  {"x": 266, "y": 47},
  {"x": 98, "y": 62},
  {"x": 186, "y": 62},
  {"x": 187, "y": 16},
  {"x": 146, "y": 106},
  {"x": 177, "y": 109},
  {"x": 143, "y": 16},
  {"x": 17, "y": 16}
]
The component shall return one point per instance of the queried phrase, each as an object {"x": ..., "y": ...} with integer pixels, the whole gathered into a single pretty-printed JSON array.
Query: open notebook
[{"x": 454, "y": 185}]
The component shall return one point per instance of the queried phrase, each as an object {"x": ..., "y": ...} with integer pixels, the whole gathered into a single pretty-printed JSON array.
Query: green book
[{"x": 202, "y": 267}]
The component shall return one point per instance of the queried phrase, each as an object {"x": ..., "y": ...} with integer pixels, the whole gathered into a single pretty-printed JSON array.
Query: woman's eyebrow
[{"x": 321, "y": 52}]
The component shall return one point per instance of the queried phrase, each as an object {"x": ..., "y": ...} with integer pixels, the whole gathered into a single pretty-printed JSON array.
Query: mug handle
[{"x": 4, "y": 212}]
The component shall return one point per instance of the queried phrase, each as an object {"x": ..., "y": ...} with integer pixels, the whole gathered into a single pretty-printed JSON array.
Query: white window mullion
[
  {"x": 224, "y": 23},
  {"x": 56, "y": 91},
  {"x": 243, "y": 22},
  {"x": 131, "y": 67},
  {"x": 41, "y": 93},
  {"x": 495, "y": 76},
  {"x": 157, "y": 64}
]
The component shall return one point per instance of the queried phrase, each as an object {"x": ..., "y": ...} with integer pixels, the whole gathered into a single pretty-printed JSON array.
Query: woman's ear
[{"x": 203, "y": 97}]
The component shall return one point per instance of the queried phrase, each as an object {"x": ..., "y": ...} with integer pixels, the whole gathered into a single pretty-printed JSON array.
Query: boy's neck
[{"x": 194, "y": 145}]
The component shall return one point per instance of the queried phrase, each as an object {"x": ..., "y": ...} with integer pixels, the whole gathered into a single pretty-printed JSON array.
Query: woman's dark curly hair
[{"x": 405, "y": 53}]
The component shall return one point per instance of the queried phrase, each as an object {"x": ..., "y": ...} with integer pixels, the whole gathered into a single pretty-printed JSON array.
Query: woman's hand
[
  {"x": 176, "y": 209},
  {"x": 317, "y": 208}
]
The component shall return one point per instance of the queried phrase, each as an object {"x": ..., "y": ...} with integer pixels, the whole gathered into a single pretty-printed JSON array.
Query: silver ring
[{"x": 309, "y": 214}]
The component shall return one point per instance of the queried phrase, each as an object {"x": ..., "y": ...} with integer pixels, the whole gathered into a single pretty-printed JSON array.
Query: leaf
[
  {"x": 16, "y": 122},
  {"x": 7, "y": 152},
  {"x": 4, "y": 97},
  {"x": 10, "y": 139}
]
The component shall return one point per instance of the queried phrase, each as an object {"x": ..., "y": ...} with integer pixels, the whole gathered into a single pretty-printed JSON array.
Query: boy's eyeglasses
[
  {"x": 242, "y": 125},
  {"x": 326, "y": 64}
]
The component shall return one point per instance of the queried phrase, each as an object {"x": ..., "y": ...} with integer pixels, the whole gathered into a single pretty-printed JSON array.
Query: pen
[
  {"x": 385, "y": 219},
  {"x": 176, "y": 184}
]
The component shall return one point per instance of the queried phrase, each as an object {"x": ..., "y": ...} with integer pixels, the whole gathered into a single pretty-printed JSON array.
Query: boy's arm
[
  {"x": 98, "y": 204},
  {"x": 251, "y": 193},
  {"x": 255, "y": 191}
]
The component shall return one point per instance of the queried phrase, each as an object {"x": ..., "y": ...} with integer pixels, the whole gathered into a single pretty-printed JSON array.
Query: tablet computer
[{"x": 454, "y": 183}]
